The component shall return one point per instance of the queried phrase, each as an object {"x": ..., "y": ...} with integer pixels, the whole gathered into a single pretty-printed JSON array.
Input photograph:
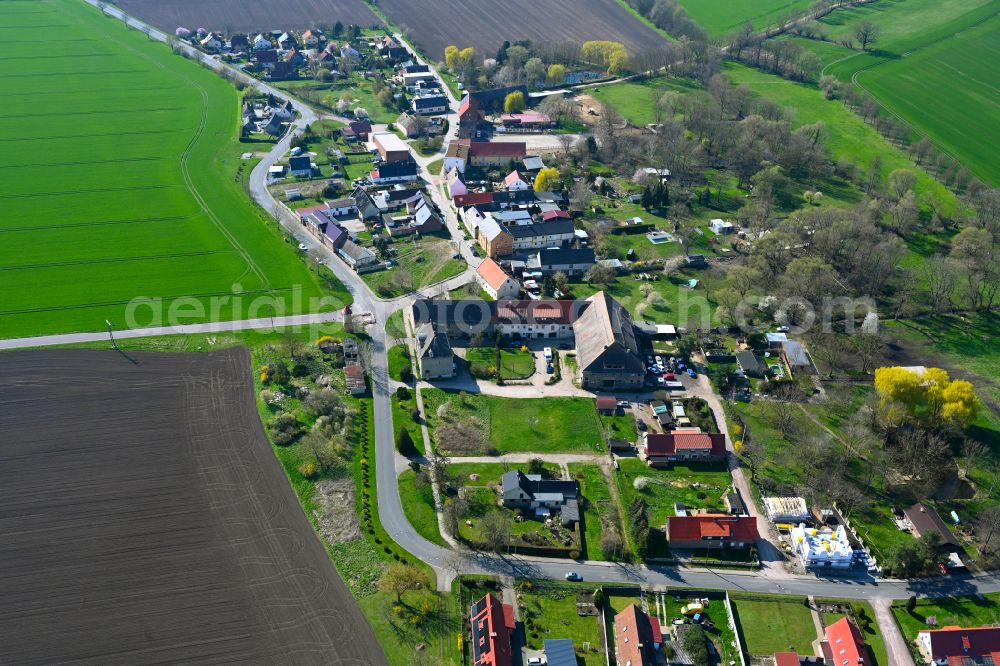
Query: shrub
[
  {"x": 406, "y": 374},
  {"x": 415, "y": 414},
  {"x": 308, "y": 470},
  {"x": 404, "y": 443},
  {"x": 402, "y": 393},
  {"x": 285, "y": 428},
  {"x": 574, "y": 554}
]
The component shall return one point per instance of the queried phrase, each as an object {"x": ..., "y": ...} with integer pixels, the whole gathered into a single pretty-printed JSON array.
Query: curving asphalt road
[{"x": 449, "y": 563}]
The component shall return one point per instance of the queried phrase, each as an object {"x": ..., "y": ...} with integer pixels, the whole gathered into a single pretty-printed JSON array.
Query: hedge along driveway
[{"x": 513, "y": 425}]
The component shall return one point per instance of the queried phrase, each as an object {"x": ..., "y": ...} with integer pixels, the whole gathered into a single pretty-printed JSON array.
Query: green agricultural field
[
  {"x": 122, "y": 179},
  {"x": 849, "y": 137},
  {"x": 932, "y": 67},
  {"x": 721, "y": 17}
]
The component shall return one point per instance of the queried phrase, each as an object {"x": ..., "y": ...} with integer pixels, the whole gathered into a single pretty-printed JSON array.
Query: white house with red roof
[
  {"x": 844, "y": 645},
  {"x": 495, "y": 281},
  {"x": 516, "y": 182},
  {"x": 957, "y": 646},
  {"x": 665, "y": 449}
]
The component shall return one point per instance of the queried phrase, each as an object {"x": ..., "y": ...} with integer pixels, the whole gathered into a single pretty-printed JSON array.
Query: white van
[{"x": 548, "y": 353}]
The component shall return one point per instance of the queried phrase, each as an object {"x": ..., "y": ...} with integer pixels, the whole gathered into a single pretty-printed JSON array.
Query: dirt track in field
[
  {"x": 249, "y": 15},
  {"x": 146, "y": 520},
  {"x": 435, "y": 24}
]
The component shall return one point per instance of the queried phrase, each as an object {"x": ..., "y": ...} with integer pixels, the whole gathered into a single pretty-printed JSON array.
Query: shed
[
  {"x": 559, "y": 652},
  {"x": 607, "y": 404}
]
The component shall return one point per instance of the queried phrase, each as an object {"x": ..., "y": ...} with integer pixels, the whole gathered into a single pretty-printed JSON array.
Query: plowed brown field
[
  {"x": 435, "y": 24},
  {"x": 249, "y": 15},
  {"x": 146, "y": 520}
]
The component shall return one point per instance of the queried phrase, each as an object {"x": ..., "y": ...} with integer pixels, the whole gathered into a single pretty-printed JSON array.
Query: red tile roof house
[
  {"x": 665, "y": 449},
  {"x": 787, "y": 659},
  {"x": 636, "y": 638},
  {"x": 955, "y": 646},
  {"x": 492, "y": 624},
  {"x": 711, "y": 530},
  {"x": 844, "y": 645}
]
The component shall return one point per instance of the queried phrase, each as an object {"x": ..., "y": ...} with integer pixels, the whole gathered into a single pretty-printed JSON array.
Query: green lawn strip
[
  {"x": 418, "y": 505},
  {"x": 435, "y": 167},
  {"x": 402, "y": 419},
  {"x": 394, "y": 326},
  {"x": 399, "y": 358},
  {"x": 489, "y": 474},
  {"x": 601, "y": 507},
  {"x": 849, "y": 137},
  {"x": 160, "y": 245},
  {"x": 696, "y": 486},
  {"x": 774, "y": 624},
  {"x": 548, "y": 611},
  {"x": 968, "y": 611},
  {"x": 550, "y": 425},
  {"x": 514, "y": 363}
]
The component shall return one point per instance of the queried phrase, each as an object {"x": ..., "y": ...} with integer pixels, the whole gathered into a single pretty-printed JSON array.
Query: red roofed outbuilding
[
  {"x": 787, "y": 659},
  {"x": 711, "y": 530}
]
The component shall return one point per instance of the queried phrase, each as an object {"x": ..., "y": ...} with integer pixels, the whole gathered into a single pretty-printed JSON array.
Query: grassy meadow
[
  {"x": 721, "y": 17},
  {"x": 123, "y": 180}
]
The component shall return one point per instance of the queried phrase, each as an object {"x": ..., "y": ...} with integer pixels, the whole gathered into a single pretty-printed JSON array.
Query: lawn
[
  {"x": 356, "y": 89},
  {"x": 418, "y": 505},
  {"x": 972, "y": 611},
  {"x": 677, "y": 303},
  {"x": 550, "y": 425},
  {"x": 773, "y": 624},
  {"x": 129, "y": 184},
  {"x": 514, "y": 363},
  {"x": 621, "y": 426},
  {"x": 417, "y": 264},
  {"x": 489, "y": 474},
  {"x": 636, "y": 100},
  {"x": 849, "y": 137},
  {"x": 721, "y": 17},
  {"x": 602, "y": 514},
  {"x": 399, "y": 358},
  {"x": 549, "y": 611},
  {"x": 698, "y": 486}
]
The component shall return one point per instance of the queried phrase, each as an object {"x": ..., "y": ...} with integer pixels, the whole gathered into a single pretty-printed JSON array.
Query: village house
[
  {"x": 976, "y": 646},
  {"x": 312, "y": 38},
  {"x": 456, "y": 158},
  {"x": 495, "y": 154},
  {"x": 843, "y": 644},
  {"x": 785, "y": 509},
  {"x": 456, "y": 187},
  {"x": 666, "y": 449},
  {"x": 265, "y": 59},
  {"x": 260, "y": 42},
  {"x": 547, "y": 235},
  {"x": 212, "y": 43},
  {"x": 531, "y": 492},
  {"x": 494, "y": 238},
  {"x": 429, "y": 104},
  {"x": 607, "y": 346},
  {"x": 435, "y": 359},
  {"x": 390, "y": 147},
  {"x": 722, "y": 227},
  {"x": 388, "y": 173},
  {"x": 822, "y": 548},
  {"x": 358, "y": 257},
  {"x": 516, "y": 181},
  {"x": 492, "y": 624},
  {"x": 358, "y": 130},
  {"x": 571, "y": 262},
  {"x": 522, "y": 319},
  {"x": 923, "y": 520},
  {"x": 711, "y": 530},
  {"x": 471, "y": 118},
  {"x": 637, "y": 637},
  {"x": 239, "y": 43},
  {"x": 749, "y": 364},
  {"x": 300, "y": 166},
  {"x": 495, "y": 281}
]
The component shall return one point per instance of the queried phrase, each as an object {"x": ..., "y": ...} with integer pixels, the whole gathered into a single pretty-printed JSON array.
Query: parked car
[
  {"x": 532, "y": 661},
  {"x": 640, "y": 424},
  {"x": 669, "y": 377},
  {"x": 691, "y": 373},
  {"x": 574, "y": 576},
  {"x": 549, "y": 369},
  {"x": 564, "y": 346},
  {"x": 624, "y": 404}
]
